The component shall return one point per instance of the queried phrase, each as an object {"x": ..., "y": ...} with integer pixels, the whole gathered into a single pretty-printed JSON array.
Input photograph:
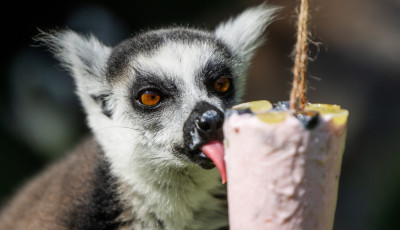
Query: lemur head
[{"x": 156, "y": 98}]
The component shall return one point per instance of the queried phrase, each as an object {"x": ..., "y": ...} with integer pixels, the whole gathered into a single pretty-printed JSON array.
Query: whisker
[
  {"x": 110, "y": 127},
  {"x": 134, "y": 150},
  {"x": 209, "y": 59}
]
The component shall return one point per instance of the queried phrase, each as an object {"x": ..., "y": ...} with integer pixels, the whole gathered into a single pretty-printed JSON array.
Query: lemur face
[
  {"x": 156, "y": 98},
  {"x": 174, "y": 88}
]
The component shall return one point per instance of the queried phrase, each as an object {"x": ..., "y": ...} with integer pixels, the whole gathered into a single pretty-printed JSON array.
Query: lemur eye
[
  {"x": 150, "y": 98},
  {"x": 222, "y": 84}
]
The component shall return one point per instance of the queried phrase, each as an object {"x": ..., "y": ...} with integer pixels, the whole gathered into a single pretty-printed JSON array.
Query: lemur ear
[
  {"x": 244, "y": 33},
  {"x": 84, "y": 56}
]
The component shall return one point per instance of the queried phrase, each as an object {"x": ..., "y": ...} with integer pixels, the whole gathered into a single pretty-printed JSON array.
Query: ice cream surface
[{"x": 282, "y": 168}]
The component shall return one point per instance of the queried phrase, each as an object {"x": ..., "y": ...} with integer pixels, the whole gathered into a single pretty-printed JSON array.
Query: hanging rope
[{"x": 298, "y": 97}]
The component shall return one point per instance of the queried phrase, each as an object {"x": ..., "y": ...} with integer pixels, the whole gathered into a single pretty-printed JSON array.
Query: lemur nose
[
  {"x": 210, "y": 121},
  {"x": 203, "y": 125}
]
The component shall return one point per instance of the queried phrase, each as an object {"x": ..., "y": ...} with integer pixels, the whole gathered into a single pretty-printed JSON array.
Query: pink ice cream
[{"x": 282, "y": 176}]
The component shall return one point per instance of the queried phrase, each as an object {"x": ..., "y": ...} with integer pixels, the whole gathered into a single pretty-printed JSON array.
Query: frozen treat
[{"x": 283, "y": 167}]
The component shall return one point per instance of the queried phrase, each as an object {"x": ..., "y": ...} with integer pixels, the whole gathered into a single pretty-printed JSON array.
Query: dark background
[{"x": 356, "y": 63}]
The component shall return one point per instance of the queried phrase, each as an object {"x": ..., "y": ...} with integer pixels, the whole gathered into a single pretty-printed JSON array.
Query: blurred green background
[{"x": 356, "y": 63}]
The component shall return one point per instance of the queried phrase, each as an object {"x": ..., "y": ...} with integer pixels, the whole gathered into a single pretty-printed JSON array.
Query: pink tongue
[{"x": 215, "y": 151}]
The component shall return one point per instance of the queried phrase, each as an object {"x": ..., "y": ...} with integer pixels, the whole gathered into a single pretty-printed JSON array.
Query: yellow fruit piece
[
  {"x": 226, "y": 143},
  {"x": 262, "y": 110},
  {"x": 339, "y": 115},
  {"x": 273, "y": 117},
  {"x": 255, "y": 106},
  {"x": 323, "y": 108}
]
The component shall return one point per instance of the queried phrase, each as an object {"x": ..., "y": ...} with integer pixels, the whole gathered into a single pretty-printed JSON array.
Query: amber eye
[
  {"x": 222, "y": 84},
  {"x": 150, "y": 98}
]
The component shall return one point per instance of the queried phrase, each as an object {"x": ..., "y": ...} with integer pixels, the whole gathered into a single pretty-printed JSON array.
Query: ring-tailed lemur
[{"x": 152, "y": 103}]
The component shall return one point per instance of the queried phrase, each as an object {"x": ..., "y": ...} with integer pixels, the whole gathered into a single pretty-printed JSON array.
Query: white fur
[
  {"x": 244, "y": 34},
  {"x": 72, "y": 50}
]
